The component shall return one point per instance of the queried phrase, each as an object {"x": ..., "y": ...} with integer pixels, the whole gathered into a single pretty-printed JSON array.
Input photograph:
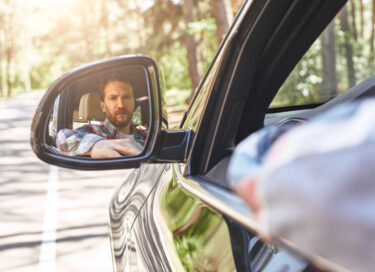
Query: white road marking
[{"x": 47, "y": 257}]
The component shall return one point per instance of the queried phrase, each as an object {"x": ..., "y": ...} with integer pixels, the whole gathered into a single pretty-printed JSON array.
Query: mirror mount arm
[{"x": 174, "y": 146}]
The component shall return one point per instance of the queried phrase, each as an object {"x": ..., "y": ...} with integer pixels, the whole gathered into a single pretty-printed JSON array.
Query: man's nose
[{"x": 120, "y": 103}]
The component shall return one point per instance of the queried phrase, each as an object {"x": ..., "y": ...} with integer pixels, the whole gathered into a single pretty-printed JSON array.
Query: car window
[{"x": 339, "y": 59}]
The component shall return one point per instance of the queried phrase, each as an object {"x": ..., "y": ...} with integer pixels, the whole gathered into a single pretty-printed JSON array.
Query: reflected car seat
[{"x": 89, "y": 108}]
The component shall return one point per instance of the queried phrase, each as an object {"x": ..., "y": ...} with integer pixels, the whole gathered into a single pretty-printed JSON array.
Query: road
[{"x": 52, "y": 219}]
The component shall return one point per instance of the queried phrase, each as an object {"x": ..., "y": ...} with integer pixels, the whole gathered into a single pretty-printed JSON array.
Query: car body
[{"x": 176, "y": 212}]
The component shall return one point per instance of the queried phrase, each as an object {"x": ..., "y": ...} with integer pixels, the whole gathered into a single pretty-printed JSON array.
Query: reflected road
[{"x": 52, "y": 219}]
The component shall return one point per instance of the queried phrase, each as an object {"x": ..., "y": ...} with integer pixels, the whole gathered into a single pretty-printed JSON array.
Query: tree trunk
[
  {"x": 104, "y": 20},
  {"x": 8, "y": 74},
  {"x": 362, "y": 16},
  {"x": 191, "y": 47},
  {"x": 354, "y": 21},
  {"x": 1, "y": 56},
  {"x": 235, "y": 5},
  {"x": 329, "y": 83},
  {"x": 9, "y": 44},
  {"x": 348, "y": 46},
  {"x": 27, "y": 77},
  {"x": 222, "y": 17},
  {"x": 86, "y": 27},
  {"x": 372, "y": 32}
]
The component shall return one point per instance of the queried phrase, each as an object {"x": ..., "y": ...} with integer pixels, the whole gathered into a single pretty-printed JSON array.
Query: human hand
[
  {"x": 247, "y": 190},
  {"x": 113, "y": 149}
]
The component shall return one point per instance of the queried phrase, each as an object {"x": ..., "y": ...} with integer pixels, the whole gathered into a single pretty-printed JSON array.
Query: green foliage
[
  {"x": 177, "y": 98},
  {"x": 204, "y": 25},
  {"x": 60, "y": 36},
  {"x": 48, "y": 39},
  {"x": 173, "y": 66},
  {"x": 304, "y": 84},
  {"x": 208, "y": 43}
]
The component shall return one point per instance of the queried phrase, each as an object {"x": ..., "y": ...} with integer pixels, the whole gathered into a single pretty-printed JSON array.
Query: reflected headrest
[{"x": 89, "y": 108}]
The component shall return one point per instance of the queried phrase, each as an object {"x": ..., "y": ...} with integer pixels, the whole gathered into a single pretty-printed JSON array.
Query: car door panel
[
  {"x": 177, "y": 232},
  {"x": 125, "y": 206},
  {"x": 260, "y": 256},
  {"x": 187, "y": 225}
]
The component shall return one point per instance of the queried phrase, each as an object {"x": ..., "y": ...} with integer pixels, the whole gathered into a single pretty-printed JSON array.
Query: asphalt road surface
[{"x": 52, "y": 219}]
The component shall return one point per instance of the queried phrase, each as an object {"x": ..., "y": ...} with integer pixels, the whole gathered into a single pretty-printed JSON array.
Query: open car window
[{"x": 339, "y": 59}]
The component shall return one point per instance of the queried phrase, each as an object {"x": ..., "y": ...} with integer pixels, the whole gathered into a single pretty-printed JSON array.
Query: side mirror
[{"x": 117, "y": 99}]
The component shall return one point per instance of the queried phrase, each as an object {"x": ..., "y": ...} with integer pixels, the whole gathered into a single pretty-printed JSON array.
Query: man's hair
[{"x": 111, "y": 77}]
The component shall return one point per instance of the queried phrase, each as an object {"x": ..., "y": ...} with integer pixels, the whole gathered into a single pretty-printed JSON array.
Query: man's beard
[{"x": 120, "y": 123}]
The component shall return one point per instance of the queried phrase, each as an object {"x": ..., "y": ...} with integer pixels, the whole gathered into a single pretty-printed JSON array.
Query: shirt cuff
[{"x": 87, "y": 142}]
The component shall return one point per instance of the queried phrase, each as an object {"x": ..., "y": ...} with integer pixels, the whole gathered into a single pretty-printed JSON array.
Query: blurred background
[{"x": 42, "y": 39}]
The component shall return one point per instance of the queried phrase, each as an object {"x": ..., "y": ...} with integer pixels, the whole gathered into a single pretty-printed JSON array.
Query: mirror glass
[{"x": 102, "y": 115}]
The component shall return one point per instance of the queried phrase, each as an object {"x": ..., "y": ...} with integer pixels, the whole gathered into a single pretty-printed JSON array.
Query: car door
[{"x": 192, "y": 220}]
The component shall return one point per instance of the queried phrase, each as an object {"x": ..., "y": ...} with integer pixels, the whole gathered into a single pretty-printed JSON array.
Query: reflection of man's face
[{"x": 118, "y": 103}]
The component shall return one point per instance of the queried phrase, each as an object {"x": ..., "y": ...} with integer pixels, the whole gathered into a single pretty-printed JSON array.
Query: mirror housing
[{"x": 161, "y": 145}]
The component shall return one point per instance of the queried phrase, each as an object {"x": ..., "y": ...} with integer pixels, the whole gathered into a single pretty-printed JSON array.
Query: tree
[
  {"x": 329, "y": 77},
  {"x": 220, "y": 10},
  {"x": 104, "y": 21},
  {"x": 362, "y": 11},
  {"x": 372, "y": 32},
  {"x": 1, "y": 51},
  {"x": 354, "y": 19},
  {"x": 348, "y": 46},
  {"x": 235, "y": 5},
  {"x": 191, "y": 45},
  {"x": 9, "y": 44}
]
